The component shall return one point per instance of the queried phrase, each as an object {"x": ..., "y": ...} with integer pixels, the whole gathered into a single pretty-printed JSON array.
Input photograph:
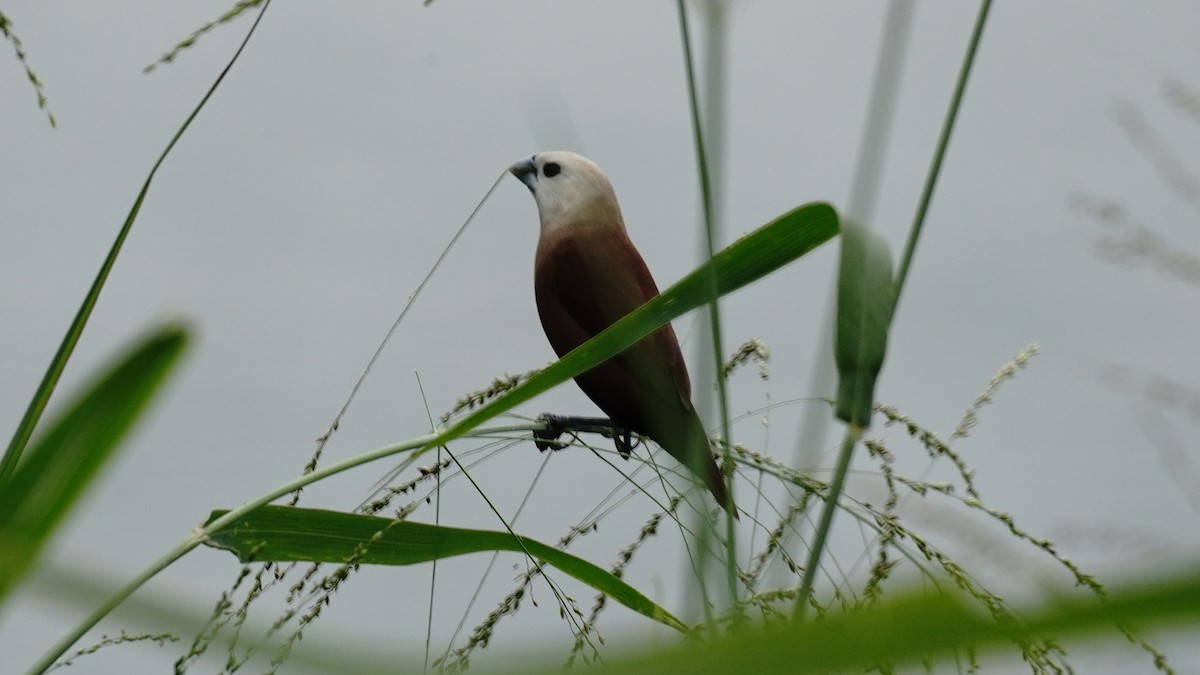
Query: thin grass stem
[
  {"x": 853, "y": 434},
  {"x": 714, "y": 311},
  {"x": 200, "y": 534},
  {"x": 939, "y": 154}
]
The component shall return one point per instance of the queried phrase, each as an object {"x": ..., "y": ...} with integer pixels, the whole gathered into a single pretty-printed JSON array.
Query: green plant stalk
[
  {"x": 939, "y": 154},
  {"x": 437, "y": 502},
  {"x": 853, "y": 432},
  {"x": 860, "y": 206},
  {"x": 711, "y": 65},
  {"x": 201, "y": 533},
  {"x": 41, "y": 397},
  {"x": 853, "y": 435},
  {"x": 714, "y": 313}
]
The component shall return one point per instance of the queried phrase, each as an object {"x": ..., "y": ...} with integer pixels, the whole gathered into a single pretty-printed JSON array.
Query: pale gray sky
[{"x": 347, "y": 145}]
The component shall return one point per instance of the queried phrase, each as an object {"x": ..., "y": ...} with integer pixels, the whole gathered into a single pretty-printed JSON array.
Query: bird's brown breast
[{"x": 586, "y": 279}]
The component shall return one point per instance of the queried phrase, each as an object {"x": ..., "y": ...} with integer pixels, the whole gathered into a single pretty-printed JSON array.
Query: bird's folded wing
[{"x": 596, "y": 279}]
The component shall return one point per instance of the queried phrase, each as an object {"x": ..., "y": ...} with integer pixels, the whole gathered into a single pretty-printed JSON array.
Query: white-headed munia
[{"x": 587, "y": 276}]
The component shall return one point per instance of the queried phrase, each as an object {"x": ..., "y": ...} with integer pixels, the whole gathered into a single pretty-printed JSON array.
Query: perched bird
[{"x": 587, "y": 276}]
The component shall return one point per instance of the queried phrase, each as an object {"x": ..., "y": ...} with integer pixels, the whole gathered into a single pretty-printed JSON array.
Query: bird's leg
[
  {"x": 557, "y": 425},
  {"x": 624, "y": 442}
]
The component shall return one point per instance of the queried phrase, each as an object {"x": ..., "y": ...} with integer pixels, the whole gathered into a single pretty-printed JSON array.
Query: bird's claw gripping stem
[
  {"x": 557, "y": 425},
  {"x": 547, "y": 439}
]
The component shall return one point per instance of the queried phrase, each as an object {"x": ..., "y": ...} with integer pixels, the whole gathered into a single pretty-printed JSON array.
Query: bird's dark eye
[{"x": 551, "y": 169}]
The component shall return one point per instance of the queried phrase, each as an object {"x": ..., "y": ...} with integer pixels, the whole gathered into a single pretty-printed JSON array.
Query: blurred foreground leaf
[
  {"x": 289, "y": 534},
  {"x": 908, "y": 629},
  {"x": 66, "y": 458}
]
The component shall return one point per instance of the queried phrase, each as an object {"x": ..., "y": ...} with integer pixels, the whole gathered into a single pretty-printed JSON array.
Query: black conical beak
[{"x": 525, "y": 171}]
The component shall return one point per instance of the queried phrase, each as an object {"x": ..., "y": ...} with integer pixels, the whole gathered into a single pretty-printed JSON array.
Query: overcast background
[{"x": 351, "y": 140}]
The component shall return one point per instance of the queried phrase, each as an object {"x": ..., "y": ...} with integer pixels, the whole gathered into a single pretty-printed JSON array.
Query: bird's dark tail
[{"x": 699, "y": 459}]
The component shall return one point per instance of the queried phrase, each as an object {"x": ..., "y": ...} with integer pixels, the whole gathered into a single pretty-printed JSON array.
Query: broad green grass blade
[
  {"x": 289, "y": 534},
  {"x": 60, "y": 464},
  {"x": 747, "y": 260},
  {"x": 866, "y": 298},
  {"x": 908, "y": 629}
]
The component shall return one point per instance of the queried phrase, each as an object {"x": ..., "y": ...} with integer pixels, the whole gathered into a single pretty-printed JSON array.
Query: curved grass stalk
[{"x": 200, "y": 534}]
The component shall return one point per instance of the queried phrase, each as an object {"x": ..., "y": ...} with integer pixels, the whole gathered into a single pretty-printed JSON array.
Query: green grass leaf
[
  {"x": 866, "y": 298},
  {"x": 290, "y": 534},
  {"x": 66, "y": 458}
]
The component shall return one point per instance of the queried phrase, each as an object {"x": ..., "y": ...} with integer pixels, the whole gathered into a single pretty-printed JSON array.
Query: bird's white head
[{"x": 570, "y": 190}]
